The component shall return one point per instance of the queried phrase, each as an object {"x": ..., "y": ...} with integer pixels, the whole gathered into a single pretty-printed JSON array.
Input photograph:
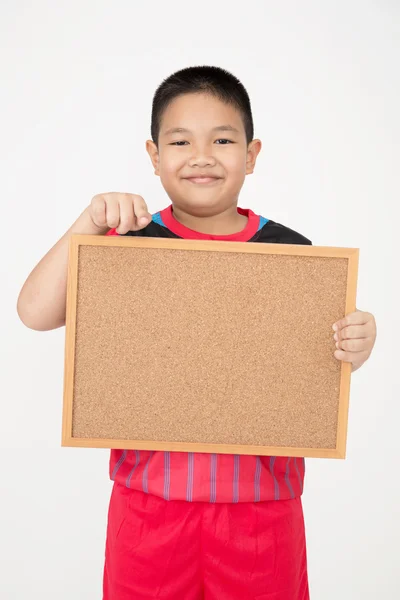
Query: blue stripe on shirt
[
  {"x": 257, "y": 478},
  {"x": 236, "y": 475},
  {"x": 213, "y": 478},
  {"x": 271, "y": 467},
  {"x": 137, "y": 461},
  {"x": 167, "y": 474},
  {"x": 145, "y": 478},
  {"x": 287, "y": 478},
  {"x": 189, "y": 487},
  {"x": 119, "y": 463}
]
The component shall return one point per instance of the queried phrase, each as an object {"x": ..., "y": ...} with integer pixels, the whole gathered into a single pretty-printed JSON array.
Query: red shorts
[{"x": 200, "y": 551}]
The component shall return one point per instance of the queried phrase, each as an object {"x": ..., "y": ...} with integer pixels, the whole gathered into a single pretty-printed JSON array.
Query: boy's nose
[{"x": 201, "y": 160}]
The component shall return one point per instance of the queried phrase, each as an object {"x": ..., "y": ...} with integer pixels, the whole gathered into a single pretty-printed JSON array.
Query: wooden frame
[{"x": 351, "y": 254}]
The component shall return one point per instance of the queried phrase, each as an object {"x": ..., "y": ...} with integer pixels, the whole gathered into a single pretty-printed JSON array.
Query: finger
[
  {"x": 126, "y": 215},
  {"x": 351, "y": 356},
  {"x": 352, "y": 332},
  {"x": 99, "y": 211},
  {"x": 355, "y": 318},
  {"x": 143, "y": 217},
  {"x": 354, "y": 345},
  {"x": 112, "y": 210}
]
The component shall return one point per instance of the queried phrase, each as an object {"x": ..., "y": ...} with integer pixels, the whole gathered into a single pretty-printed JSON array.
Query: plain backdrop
[{"x": 77, "y": 81}]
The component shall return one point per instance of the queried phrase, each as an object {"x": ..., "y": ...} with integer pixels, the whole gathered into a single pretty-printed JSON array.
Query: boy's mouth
[{"x": 203, "y": 180}]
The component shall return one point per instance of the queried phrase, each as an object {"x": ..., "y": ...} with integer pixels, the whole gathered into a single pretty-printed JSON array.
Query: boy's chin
[{"x": 197, "y": 202}]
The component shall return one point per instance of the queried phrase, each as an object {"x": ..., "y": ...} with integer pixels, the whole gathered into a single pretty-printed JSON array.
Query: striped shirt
[{"x": 198, "y": 477}]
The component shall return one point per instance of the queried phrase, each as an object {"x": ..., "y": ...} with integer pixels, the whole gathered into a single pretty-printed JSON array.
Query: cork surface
[{"x": 209, "y": 347}]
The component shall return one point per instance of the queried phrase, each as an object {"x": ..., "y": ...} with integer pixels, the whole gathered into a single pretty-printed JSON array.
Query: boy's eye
[{"x": 219, "y": 140}]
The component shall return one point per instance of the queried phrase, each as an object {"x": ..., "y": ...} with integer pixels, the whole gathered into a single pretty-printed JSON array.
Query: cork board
[{"x": 206, "y": 346}]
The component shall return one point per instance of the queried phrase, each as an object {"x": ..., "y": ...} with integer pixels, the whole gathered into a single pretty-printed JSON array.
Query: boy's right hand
[{"x": 124, "y": 212}]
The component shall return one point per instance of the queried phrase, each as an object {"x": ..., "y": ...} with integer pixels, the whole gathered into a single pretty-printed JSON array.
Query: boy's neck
[{"x": 225, "y": 223}]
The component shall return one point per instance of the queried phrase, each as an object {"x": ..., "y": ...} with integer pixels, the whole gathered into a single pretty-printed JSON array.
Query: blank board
[{"x": 206, "y": 346}]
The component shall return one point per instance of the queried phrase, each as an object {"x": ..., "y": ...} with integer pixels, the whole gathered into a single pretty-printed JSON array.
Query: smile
[{"x": 203, "y": 180}]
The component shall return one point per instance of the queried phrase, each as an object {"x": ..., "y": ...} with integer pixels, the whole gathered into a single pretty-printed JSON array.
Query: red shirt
[{"x": 195, "y": 477}]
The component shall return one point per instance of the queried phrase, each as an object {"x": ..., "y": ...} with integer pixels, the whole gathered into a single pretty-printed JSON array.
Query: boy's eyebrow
[{"x": 184, "y": 130}]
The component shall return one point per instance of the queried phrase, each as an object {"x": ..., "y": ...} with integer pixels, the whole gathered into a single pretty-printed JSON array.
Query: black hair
[{"x": 202, "y": 79}]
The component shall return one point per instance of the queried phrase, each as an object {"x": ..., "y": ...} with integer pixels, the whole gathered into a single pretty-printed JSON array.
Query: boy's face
[{"x": 202, "y": 150}]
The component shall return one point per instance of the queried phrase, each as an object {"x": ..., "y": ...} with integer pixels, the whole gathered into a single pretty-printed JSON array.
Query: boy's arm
[{"x": 42, "y": 300}]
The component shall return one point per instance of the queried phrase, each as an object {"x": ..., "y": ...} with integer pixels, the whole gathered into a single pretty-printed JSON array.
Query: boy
[{"x": 185, "y": 526}]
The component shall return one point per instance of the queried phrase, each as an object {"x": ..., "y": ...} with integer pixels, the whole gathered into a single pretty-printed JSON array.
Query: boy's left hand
[{"x": 355, "y": 337}]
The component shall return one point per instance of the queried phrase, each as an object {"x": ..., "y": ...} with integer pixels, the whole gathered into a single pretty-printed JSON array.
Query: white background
[{"x": 77, "y": 80}]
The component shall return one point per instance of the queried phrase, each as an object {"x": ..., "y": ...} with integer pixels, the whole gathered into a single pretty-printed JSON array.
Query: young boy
[{"x": 185, "y": 526}]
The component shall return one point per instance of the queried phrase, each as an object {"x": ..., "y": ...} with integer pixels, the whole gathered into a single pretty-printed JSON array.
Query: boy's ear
[
  {"x": 154, "y": 155},
  {"x": 253, "y": 151}
]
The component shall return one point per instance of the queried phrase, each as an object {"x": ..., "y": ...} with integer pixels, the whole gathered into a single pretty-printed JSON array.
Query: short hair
[{"x": 202, "y": 79}]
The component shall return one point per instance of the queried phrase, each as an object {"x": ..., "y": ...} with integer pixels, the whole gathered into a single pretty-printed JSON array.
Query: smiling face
[{"x": 202, "y": 136}]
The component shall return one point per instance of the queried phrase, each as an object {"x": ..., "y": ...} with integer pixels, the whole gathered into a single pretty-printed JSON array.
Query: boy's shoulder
[{"x": 276, "y": 233}]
